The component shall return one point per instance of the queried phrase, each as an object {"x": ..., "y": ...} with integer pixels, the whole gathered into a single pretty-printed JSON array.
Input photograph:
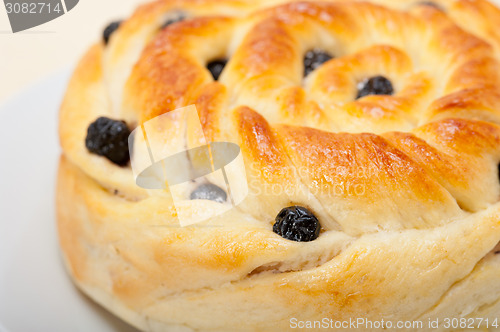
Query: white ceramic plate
[{"x": 35, "y": 292}]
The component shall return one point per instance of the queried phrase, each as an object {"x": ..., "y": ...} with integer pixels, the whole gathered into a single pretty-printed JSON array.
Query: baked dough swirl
[{"x": 405, "y": 186}]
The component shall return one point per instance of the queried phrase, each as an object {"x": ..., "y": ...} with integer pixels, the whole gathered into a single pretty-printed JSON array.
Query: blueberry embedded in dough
[
  {"x": 109, "y": 30},
  {"x": 297, "y": 223},
  {"x": 209, "y": 191},
  {"x": 109, "y": 138},
  {"x": 431, "y": 4},
  {"x": 315, "y": 58},
  {"x": 377, "y": 85},
  {"x": 171, "y": 20},
  {"x": 216, "y": 67}
]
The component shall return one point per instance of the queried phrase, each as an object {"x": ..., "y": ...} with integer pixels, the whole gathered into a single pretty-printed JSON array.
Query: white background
[{"x": 30, "y": 55}]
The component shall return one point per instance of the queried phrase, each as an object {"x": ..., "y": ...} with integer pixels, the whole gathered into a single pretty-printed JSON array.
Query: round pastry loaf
[{"x": 381, "y": 119}]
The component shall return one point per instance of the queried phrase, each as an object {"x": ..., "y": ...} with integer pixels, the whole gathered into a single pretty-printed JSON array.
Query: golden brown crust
[
  {"x": 157, "y": 275},
  {"x": 406, "y": 186}
]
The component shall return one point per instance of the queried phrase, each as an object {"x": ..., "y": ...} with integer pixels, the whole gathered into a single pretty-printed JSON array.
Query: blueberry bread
[{"x": 370, "y": 134}]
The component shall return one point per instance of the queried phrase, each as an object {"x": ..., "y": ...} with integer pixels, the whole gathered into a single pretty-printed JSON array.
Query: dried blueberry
[
  {"x": 108, "y": 31},
  {"x": 378, "y": 85},
  {"x": 216, "y": 67},
  {"x": 180, "y": 17},
  {"x": 313, "y": 59},
  {"x": 297, "y": 223},
  {"x": 209, "y": 192},
  {"x": 430, "y": 4},
  {"x": 109, "y": 138}
]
